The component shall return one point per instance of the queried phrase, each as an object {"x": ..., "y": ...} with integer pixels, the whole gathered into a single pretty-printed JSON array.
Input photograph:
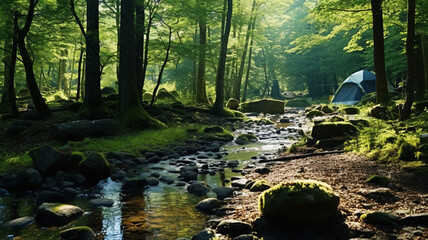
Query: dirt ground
[{"x": 347, "y": 174}]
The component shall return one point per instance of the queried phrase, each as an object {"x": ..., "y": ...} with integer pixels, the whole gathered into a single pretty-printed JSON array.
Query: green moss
[
  {"x": 380, "y": 218},
  {"x": 245, "y": 139},
  {"x": 350, "y": 110},
  {"x": 147, "y": 97},
  {"x": 299, "y": 202},
  {"x": 238, "y": 114},
  {"x": 298, "y": 102},
  {"x": 136, "y": 117},
  {"x": 16, "y": 163},
  {"x": 77, "y": 157},
  {"x": 414, "y": 166},
  {"x": 314, "y": 113},
  {"x": 259, "y": 185},
  {"x": 378, "y": 180}
]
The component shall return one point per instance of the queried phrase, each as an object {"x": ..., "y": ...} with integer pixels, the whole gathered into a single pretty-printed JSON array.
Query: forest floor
[{"x": 347, "y": 174}]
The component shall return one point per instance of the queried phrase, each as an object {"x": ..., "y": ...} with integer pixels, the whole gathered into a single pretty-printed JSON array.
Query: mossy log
[{"x": 78, "y": 130}]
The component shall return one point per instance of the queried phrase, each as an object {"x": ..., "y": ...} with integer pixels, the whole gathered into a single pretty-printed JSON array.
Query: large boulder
[
  {"x": 232, "y": 103},
  {"x": 300, "y": 202},
  {"x": 264, "y": 106},
  {"x": 198, "y": 188},
  {"x": 48, "y": 160},
  {"x": 77, "y": 233},
  {"x": 328, "y": 130},
  {"x": 246, "y": 138},
  {"x": 30, "y": 178},
  {"x": 208, "y": 204},
  {"x": 223, "y": 192},
  {"x": 57, "y": 214},
  {"x": 164, "y": 94},
  {"x": 19, "y": 223},
  {"x": 96, "y": 167},
  {"x": 78, "y": 130},
  {"x": 380, "y": 112}
]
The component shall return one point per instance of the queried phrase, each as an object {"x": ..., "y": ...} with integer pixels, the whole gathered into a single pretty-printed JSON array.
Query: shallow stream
[{"x": 164, "y": 211}]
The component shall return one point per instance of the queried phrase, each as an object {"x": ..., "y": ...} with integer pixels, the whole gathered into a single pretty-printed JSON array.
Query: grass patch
[
  {"x": 16, "y": 163},
  {"x": 134, "y": 142}
]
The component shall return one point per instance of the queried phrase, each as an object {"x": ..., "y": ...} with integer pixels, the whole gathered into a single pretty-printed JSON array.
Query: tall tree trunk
[
  {"x": 79, "y": 72},
  {"x": 131, "y": 113},
  {"x": 62, "y": 69},
  {"x": 237, "y": 84},
  {"x": 250, "y": 54},
  {"x": 419, "y": 67},
  {"x": 425, "y": 59},
  {"x": 37, "y": 98},
  {"x": 162, "y": 68},
  {"x": 266, "y": 89},
  {"x": 93, "y": 106},
  {"x": 379, "y": 53},
  {"x": 139, "y": 34},
  {"x": 219, "y": 86},
  {"x": 201, "y": 93},
  {"x": 411, "y": 64},
  {"x": 8, "y": 101}
]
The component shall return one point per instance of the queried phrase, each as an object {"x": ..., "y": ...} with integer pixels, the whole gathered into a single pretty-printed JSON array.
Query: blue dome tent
[{"x": 355, "y": 87}]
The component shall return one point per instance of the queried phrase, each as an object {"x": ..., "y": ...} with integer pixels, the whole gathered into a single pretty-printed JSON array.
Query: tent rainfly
[{"x": 355, "y": 87}]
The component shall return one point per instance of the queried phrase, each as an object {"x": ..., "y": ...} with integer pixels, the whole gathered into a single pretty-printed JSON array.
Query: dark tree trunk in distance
[
  {"x": 8, "y": 101},
  {"x": 219, "y": 86},
  {"x": 425, "y": 57},
  {"x": 93, "y": 106},
  {"x": 201, "y": 93},
  {"x": 131, "y": 113},
  {"x": 411, "y": 64},
  {"x": 79, "y": 72},
  {"x": 244, "y": 94},
  {"x": 37, "y": 98},
  {"x": 379, "y": 53}
]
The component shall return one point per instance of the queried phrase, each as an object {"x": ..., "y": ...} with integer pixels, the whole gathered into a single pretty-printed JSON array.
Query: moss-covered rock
[
  {"x": 56, "y": 214},
  {"x": 378, "y": 180},
  {"x": 328, "y": 130},
  {"x": 368, "y": 98},
  {"x": 263, "y": 105},
  {"x": 298, "y": 102},
  {"x": 48, "y": 160},
  {"x": 259, "y": 186},
  {"x": 314, "y": 113},
  {"x": 407, "y": 152},
  {"x": 164, "y": 94},
  {"x": 351, "y": 110},
  {"x": 245, "y": 139},
  {"x": 96, "y": 167},
  {"x": 380, "y": 112},
  {"x": 95, "y": 111},
  {"x": 77, "y": 233},
  {"x": 108, "y": 91},
  {"x": 300, "y": 202},
  {"x": 326, "y": 109},
  {"x": 380, "y": 218},
  {"x": 214, "y": 129},
  {"x": 147, "y": 97},
  {"x": 77, "y": 157},
  {"x": 232, "y": 103}
]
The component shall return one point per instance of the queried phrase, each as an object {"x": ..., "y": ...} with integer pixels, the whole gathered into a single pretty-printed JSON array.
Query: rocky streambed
[{"x": 155, "y": 196}]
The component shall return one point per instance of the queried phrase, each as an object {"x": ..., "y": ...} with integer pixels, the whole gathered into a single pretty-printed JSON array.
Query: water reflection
[{"x": 112, "y": 216}]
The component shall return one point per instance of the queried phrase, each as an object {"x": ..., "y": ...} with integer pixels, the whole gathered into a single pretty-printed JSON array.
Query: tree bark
[
  {"x": 201, "y": 93},
  {"x": 219, "y": 86},
  {"x": 411, "y": 64},
  {"x": 8, "y": 101},
  {"x": 266, "y": 89},
  {"x": 379, "y": 53},
  {"x": 79, "y": 72},
  {"x": 419, "y": 67},
  {"x": 131, "y": 113},
  {"x": 139, "y": 31},
  {"x": 93, "y": 106},
  {"x": 37, "y": 98},
  {"x": 237, "y": 84},
  {"x": 152, "y": 13},
  {"x": 62, "y": 68},
  {"x": 244, "y": 94},
  {"x": 425, "y": 58}
]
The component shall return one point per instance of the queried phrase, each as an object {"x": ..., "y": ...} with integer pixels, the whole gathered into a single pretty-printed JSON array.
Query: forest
[{"x": 197, "y": 119}]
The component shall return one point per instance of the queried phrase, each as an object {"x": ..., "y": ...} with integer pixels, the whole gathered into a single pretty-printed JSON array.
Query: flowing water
[{"x": 159, "y": 212}]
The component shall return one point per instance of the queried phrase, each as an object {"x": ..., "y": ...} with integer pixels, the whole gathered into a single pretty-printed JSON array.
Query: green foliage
[
  {"x": 134, "y": 142},
  {"x": 298, "y": 102},
  {"x": 9, "y": 163}
]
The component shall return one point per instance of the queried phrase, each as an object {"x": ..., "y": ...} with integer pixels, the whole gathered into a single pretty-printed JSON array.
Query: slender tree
[
  {"x": 250, "y": 54},
  {"x": 411, "y": 63},
  {"x": 219, "y": 86},
  {"x": 131, "y": 113},
  {"x": 379, "y": 52},
  {"x": 93, "y": 106},
  {"x": 139, "y": 31},
  {"x": 237, "y": 84},
  {"x": 201, "y": 93},
  {"x": 41, "y": 107}
]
